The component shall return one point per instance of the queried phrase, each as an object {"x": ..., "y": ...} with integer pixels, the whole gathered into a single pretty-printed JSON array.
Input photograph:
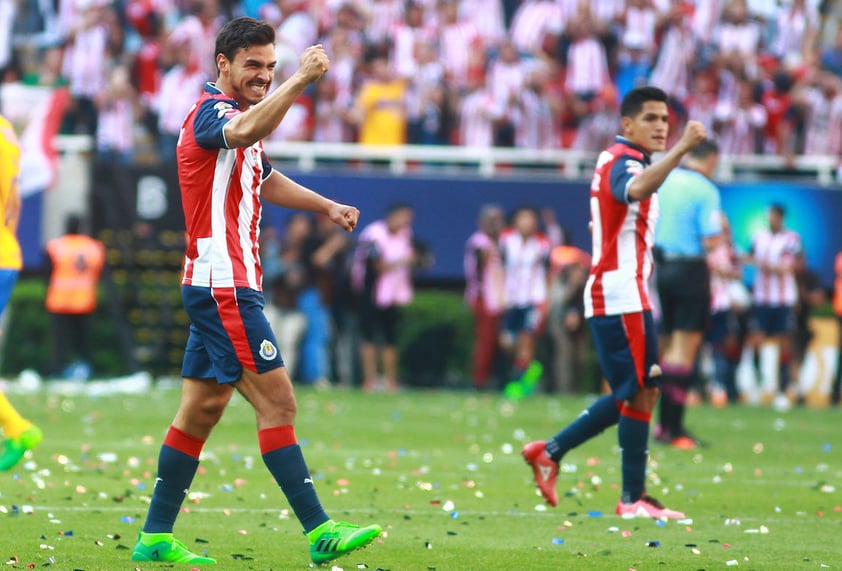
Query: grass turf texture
[{"x": 442, "y": 473}]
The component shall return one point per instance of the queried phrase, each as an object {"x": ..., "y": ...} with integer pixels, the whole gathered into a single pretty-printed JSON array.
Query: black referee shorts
[{"x": 684, "y": 292}]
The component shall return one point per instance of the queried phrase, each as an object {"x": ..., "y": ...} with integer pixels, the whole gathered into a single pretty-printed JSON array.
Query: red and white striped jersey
[
  {"x": 742, "y": 39},
  {"x": 457, "y": 42},
  {"x": 722, "y": 262},
  {"x": 220, "y": 195},
  {"x": 383, "y": 16},
  {"x": 115, "y": 126},
  {"x": 526, "y": 261},
  {"x": 775, "y": 249},
  {"x": 487, "y": 17},
  {"x": 824, "y": 123},
  {"x": 622, "y": 232},
  {"x": 476, "y": 119},
  {"x": 587, "y": 66},
  {"x": 179, "y": 89},
  {"x": 404, "y": 39},
  {"x": 533, "y": 20},
  {"x": 84, "y": 64},
  {"x": 676, "y": 55}
]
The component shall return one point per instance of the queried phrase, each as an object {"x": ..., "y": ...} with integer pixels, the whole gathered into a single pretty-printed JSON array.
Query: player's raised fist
[
  {"x": 314, "y": 62},
  {"x": 694, "y": 133}
]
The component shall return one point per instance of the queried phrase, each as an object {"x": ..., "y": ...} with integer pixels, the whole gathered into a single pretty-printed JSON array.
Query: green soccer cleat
[
  {"x": 164, "y": 547},
  {"x": 15, "y": 448},
  {"x": 333, "y": 539}
]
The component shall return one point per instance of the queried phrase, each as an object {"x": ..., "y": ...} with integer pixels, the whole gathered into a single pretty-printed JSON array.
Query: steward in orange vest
[{"x": 77, "y": 262}]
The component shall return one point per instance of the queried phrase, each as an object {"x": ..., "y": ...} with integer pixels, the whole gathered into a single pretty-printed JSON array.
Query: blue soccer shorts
[
  {"x": 773, "y": 320},
  {"x": 228, "y": 332},
  {"x": 7, "y": 284},
  {"x": 627, "y": 348}
]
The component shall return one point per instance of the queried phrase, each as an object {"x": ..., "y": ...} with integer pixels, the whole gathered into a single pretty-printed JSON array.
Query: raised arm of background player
[{"x": 649, "y": 181}]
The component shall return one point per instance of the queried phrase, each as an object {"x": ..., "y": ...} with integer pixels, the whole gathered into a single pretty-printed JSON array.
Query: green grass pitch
[{"x": 442, "y": 473}]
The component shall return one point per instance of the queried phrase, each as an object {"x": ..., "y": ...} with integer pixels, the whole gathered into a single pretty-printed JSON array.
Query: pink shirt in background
[
  {"x": 392, "y": 286},
  {"x": 483, "y": 281}
]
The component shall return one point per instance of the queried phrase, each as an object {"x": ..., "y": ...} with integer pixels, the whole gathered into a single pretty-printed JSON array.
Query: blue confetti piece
[
  {"x": 226, "y": 488},
  {"x": 558, "y": 541},
  {"x": 653, "y": 543},
  {"x": 127, "y": 519},
  {"x": 141, "y": 486},
  {"x": 827, "y": 448},
  {"x": 454, "y": 515},
  {"x": 660, "y": 523},
  {"x": 594, "y": 514}
]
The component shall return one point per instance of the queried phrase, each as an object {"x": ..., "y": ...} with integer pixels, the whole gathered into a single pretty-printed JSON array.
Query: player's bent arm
[
  {"x": 280, "y": 190},
  {"x": 259, "y": 120},
  {"x": 650, "y": 180}
]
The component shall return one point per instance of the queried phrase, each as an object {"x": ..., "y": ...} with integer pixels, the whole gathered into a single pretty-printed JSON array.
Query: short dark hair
[
  {"x": 778, "y": 209},
  {"x": 397, "y": 206},
  {"x": 242, "y": 33},
  {"x": 704, "y": 149},
  {"x": 633, "y": 101},
  {"x": 73, "y": 224}
]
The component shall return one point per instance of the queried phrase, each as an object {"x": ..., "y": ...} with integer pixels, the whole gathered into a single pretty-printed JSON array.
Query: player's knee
[{"x": 211, "y": 409}]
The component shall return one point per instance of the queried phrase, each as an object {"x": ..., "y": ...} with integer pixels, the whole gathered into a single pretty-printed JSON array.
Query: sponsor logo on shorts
[{"x": 267, "y": 350}]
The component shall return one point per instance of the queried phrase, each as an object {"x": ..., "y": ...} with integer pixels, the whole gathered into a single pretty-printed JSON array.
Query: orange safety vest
[
  {"x": 77, "y": 263},
  {"x": 837, "y": 286}
]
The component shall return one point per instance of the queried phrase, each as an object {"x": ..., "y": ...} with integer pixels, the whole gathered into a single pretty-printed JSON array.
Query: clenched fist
[
  {"x": 694, "y": 133},
  {"x": 314, "y": 63}
]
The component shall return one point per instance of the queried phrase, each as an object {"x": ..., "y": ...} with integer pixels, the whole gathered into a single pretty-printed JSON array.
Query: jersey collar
[
  {"x": 623, "y": 141},
  {"x": 211, "y": 88}
]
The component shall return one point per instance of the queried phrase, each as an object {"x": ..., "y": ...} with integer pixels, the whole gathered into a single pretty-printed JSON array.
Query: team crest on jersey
[
  {"x": 222, "y": 107},
  {"x": 634, "y": 167},
  {"x": 267, "y": 350}
]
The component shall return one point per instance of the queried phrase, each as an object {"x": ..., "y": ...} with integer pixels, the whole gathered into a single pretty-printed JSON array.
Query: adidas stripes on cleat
[{"x": 334, "y": 539}]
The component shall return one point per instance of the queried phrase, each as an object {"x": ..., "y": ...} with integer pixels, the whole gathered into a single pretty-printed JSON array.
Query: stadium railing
[{"x": 569, "y": 163}]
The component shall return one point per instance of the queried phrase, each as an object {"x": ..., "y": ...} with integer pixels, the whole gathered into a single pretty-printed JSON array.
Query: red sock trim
[
  {"x": 183, "y": 442},
  {"x": 277, "y": 437},
  {"x": 636, "y": 414}
]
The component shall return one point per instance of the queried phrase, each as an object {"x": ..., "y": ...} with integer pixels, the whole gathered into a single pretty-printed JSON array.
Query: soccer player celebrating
[
  {"x": 624, "y": 210},
  {"x": 223, "y": 173}
]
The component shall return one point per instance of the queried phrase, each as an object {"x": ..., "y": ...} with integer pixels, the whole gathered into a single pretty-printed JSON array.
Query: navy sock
[
  {"x": 593, "y": 420},
  {"x": 282, "y": 455},
  {"x": 633, "y": 436},
  {"x": 177, "y": 464}
]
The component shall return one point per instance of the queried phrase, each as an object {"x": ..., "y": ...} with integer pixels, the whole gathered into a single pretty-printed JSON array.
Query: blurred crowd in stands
[{"x": 764, "y": 75}]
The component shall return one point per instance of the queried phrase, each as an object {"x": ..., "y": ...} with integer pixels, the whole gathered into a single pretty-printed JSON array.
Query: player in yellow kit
[{"x": 20, "y": 434}]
